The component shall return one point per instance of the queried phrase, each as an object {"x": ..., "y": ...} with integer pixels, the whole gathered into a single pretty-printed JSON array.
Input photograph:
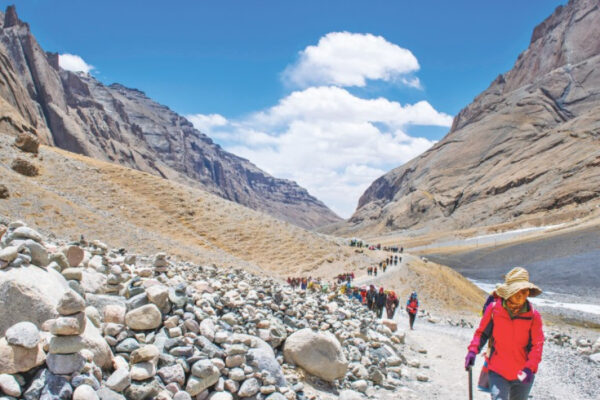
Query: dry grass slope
[{"x": 123, "y": 207}]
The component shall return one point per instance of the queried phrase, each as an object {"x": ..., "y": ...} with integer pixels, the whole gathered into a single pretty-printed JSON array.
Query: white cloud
[
  {"x": 328, "y": 140},
  {"x": 74, "y": 63},
  {"x": 205, "y": 123},
  {"x": 350, "y": 59}
]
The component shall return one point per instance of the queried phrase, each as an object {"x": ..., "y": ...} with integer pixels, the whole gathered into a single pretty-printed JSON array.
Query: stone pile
[
  {"x": 22, "y": 246},
  {"x": 66, "y": 343},
  {"x": 176, "y": 330}
]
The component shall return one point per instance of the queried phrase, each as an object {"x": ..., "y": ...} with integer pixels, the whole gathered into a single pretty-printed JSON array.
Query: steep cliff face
[
  {"x": 78, "y": 113},
  {"x": 527, "y": 146}
]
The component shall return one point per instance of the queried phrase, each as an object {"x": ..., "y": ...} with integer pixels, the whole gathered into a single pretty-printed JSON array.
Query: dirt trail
[{"x": 443, "y": 363}]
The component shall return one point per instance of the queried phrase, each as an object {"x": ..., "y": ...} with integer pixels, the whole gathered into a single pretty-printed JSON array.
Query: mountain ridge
[
  {"x": 78, "y": 113},
  {"x": 525, "y": 149}
]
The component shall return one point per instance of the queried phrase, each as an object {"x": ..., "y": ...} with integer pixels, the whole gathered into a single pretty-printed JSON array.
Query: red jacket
[{"x": 517, "y": 342}]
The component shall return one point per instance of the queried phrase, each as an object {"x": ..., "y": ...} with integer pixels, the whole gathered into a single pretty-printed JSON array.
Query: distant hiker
[
  {"x": 384, "y": 267},
  {"x": 391, "y": 304},
  {"x": 401, "y": 249},
  {"x": 491, "y": 298},
  {"x": 371, "y": 297},
  {"x": 412, "y": 306},
  {"x": 395, "y": 260},
  {"x": 380, "y": 302},
  {"x": 517, "y": 336},
  {"x": 369, "y": 270},
  {"x": 375, "y": 271}
]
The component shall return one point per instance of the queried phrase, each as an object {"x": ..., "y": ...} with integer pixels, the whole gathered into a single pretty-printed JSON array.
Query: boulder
[
  {"x": 75, "y": 274},
  {"x": 318, "y": 353},
  {"x": 144, "y": 318},
  {"x": 15, "y": 359},
  {"x": 56, "y": 388},
  {"x": 4, "y": 193},
  {"x": 249, "y": 388},
  {"x": 29, "y": 293},
  {"x": 24, "y": 167},
  {"x": 27, "y": 142},
  {"x": 145, "y": 353},
  {"x": 119, "y": 380},
  {"x": 65, "y": 364},
  {"x": 115, "y": 313},
  {"x": 9, "y": 385},
  {"x": 66, "y": 344},
  {"x": 392, "y": 325},
  {"x": 75, "y": 255},
  {"x": 142, "y": 371},
  {"x": 85, "y": 392},
  {"x": 92, "y": 281},
  {"x": 39, "y": 254},
  {"x": 23, "y": 334},
  {"x": 263, "y": 358},
  {"x": 159, "y": 295},
  {"x": 70, "y": 303},
  {"x": 24, "y": 232},
  {"x": 68, "y": 326},
  {"x": 94, "y": 342},
  {"x": 7, "y": 255}
]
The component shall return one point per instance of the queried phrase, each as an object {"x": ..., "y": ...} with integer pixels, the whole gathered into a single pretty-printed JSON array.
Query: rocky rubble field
[{"x": 83, "y": 321}]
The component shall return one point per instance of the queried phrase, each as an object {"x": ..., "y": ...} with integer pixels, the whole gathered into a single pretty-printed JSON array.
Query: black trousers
[{"x": 412, "y": 319}]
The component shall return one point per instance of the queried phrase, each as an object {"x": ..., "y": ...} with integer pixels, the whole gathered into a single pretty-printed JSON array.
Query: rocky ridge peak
[
  {"x": 78, "y": 113},
  {"x": 526, "y": 149}
]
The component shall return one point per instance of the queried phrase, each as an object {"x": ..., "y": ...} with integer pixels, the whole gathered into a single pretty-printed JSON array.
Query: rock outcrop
[
  {"x": 76, "y": 112},
  {"x": 526, "y": 148}
]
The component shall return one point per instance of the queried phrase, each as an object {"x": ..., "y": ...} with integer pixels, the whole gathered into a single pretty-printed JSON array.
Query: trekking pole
[{"x": 470, "y": 370}]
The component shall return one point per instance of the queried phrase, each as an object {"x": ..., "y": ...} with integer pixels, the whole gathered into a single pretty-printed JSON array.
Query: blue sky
[{"x": 331, "y": 94}]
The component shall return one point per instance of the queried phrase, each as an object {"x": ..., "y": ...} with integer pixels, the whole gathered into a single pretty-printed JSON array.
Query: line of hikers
[
  {"x": 309, "y": 283},
  {"x": 376, "y": 300},
  {"x": 345, "y": 277},
  {"x": 360, "y": 244},
  {"x": 383, "y": 265}
]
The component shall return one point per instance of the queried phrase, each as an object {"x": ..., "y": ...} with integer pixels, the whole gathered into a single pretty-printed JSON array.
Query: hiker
[
  {"x": 356, "y": 295},
  {"x": 517, "y": 336},
  {"x": 375, "y": 271},
  {"x": 380, "y": 302},
  {"x": 391, "y": 304},
  {"x": 384, "y": 266},
  {"x": 363, "y": 295},
  {"x": 412, "y": 306},
  {"x": 369, "y": 271},
  {"x": 371, "y": 297}
]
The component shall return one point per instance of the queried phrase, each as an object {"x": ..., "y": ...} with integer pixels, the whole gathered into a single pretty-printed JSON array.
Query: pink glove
[{"x": 470, "y": 359}]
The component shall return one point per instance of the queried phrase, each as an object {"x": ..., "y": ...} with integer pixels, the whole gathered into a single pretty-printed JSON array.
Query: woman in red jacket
[{"x": 517, "y": 338}]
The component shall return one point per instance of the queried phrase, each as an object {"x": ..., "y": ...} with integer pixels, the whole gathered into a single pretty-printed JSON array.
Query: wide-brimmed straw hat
[{"x": 517, "y": 279}]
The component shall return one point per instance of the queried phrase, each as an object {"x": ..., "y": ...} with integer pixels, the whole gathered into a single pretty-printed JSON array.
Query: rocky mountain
[
  {"x": 78, "y": 113},
  {"x": 526, "y": 149}
]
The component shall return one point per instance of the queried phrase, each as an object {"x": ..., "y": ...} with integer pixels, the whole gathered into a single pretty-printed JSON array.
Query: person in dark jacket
[
  {"x": 412, "y": 306},
  {"x": 517, "y": 336},
  {"x": 391, "y": 304},
  {"x": 380, "y": 302},
  {"x": 371, "y": 297}
]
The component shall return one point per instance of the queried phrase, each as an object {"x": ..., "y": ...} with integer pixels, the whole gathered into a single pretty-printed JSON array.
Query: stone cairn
[{"x": 147, "y": 327}]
